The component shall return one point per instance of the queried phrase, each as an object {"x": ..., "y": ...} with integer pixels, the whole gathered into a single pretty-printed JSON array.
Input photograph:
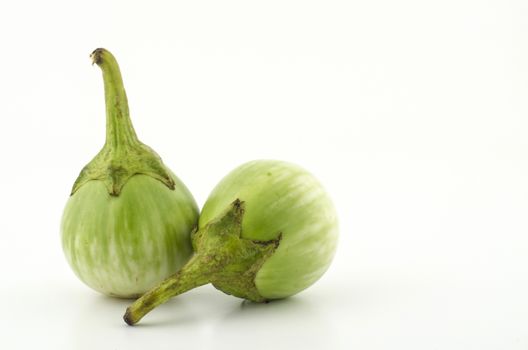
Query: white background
[{"x": 413, "y": 114}]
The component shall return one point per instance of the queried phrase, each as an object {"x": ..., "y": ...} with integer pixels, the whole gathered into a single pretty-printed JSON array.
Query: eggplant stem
[
  {"x": 123, "y": 155},
  {"x": 223, "y": 258},
  {"x": 119, "y": 129},
  {"x": 189, "y": 277}
]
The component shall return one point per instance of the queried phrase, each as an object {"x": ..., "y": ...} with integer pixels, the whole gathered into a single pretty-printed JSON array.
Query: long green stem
[
  {"x": 190, "y": 276},
  {"x": 123, "y": 155},
  {"x": 223, "y": 257},
  {"x": 119, "y": 129}
]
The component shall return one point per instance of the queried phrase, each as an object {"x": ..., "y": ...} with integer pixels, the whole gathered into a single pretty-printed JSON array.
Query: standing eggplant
[{"x": 127, "y": 223}]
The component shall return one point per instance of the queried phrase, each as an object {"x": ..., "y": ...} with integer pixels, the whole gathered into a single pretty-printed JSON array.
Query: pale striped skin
[
  {"x": 123, "y": 246},
  {"x": 281, "y": 198}
]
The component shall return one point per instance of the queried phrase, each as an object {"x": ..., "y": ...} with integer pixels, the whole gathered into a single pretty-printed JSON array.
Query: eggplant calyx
[
  {"x": 235, "y": 260},
  {"x": 123, "y": 155},
  {"x": 115, "y": 167},
  {"x": 223, "y": 257}
]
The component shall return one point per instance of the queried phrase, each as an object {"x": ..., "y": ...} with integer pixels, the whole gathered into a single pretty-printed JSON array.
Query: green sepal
[
  {"x": 222, "y": 257},
  {"x": 123, "y": 155},
  {"x": 235, "y": 260},
  {"x": 115, "y": 166}
]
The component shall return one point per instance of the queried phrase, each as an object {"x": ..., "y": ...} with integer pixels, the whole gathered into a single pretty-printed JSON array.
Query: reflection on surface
[
  {"x": 99, "y": 324},
  {"x": 201, "y": 319},
  {"x": 286, "y": 323}
]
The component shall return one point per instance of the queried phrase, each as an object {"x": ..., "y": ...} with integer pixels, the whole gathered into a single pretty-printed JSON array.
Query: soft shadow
[
  {"x": 291, "y": 322},
  {"x": 185, "y": 310},
  {"x": 99, "y": 323}
]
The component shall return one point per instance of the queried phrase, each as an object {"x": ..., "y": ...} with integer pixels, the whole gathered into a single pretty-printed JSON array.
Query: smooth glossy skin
[
  {"x": 281, "y": 197},
  {"x": 122, "y": 246}
]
